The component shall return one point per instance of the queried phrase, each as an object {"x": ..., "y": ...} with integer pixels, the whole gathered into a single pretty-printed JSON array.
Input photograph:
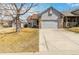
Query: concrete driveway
[{"x": 58, "y": 41}]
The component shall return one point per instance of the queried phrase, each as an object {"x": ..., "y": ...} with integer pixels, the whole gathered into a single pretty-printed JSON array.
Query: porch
[{"x": 71, "y": 21}]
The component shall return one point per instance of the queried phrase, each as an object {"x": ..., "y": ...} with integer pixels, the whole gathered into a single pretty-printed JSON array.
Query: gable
[
  {"x": 50, "y": 14},
  {"x": 75, "y": 12}
]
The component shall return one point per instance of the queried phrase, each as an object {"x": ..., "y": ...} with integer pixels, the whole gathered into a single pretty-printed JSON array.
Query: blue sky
[{"x": 58, "y": 6}]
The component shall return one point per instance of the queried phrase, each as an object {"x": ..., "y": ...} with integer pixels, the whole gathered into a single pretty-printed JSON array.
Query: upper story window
[{"x": 50, "y": 12}]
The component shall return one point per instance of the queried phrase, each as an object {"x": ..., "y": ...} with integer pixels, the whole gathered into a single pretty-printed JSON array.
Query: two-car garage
[{"x": 49, "y": 24}]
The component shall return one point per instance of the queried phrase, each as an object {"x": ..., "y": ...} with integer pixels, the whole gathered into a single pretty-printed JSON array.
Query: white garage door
[{"x": 48, "y": 24}]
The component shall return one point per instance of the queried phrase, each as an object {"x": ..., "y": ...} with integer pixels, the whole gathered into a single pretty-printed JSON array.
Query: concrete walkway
[{"x": 58, "y": 41}]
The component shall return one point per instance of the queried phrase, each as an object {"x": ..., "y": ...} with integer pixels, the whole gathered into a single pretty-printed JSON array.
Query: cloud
[
  {"x": 31, "y": 11},
  {"x": 73, "y": 4}
]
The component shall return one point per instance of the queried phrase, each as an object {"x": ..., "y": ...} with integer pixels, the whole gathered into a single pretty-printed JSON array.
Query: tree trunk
[{"x": 18, "y": 27}]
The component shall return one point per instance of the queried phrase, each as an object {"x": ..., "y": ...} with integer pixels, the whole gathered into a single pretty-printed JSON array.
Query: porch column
[
  {"x": 76, "y": 21},
  {"x": 66, "y": 21}
]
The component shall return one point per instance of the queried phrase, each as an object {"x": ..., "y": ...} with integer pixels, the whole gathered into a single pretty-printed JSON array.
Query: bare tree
[{"x": 17, "y": 10}]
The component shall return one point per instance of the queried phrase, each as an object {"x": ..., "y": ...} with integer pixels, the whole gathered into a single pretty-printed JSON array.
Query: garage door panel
[{"x": 49, "y": 24}]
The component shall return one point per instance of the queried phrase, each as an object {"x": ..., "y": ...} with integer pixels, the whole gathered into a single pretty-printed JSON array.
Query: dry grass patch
[
  {"x": 74, "y": 29},
  {"x": 27, "y": 40}
]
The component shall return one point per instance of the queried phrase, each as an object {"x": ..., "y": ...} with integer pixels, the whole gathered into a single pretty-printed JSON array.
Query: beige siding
[
  {"x": 60, "y": 23},
  {"x": 46, "y": 17}
]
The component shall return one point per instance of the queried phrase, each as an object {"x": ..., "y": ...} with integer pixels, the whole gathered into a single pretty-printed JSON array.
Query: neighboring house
[
  {"x": 52, "y": 18},
  {"x": 70, "y": 19},
  {"x": 9, "y": 23},
  {"x": 33, "y": 21},
  {"x": 5, "y": 23}
]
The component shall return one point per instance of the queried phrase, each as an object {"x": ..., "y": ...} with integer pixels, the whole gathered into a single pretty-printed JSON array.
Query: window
[
  {"x": 49, "y": 12},
  {"x": 74, "y": 20}
]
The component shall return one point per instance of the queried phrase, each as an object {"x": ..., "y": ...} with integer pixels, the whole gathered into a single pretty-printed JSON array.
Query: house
[
  {"x": 5, "y": 23},
  {"x": 33, "y": 21},
  {"x": 70, "y": 19},
  {"x": 9, "y": 23},
  {"x": 52, "y": 18}
]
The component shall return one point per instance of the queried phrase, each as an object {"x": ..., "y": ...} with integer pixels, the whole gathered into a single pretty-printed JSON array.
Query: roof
[
  {"x": 29, "y": 17},
  {"x": 67, "y": 13},
  {"x": 49, "y": 9},
  {"x": 35, "y": 16},
  {"x": 75, "y": 12}
]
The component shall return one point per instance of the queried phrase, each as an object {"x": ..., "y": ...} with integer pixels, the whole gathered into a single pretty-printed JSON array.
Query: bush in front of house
[{"x": 25, "y": 25}]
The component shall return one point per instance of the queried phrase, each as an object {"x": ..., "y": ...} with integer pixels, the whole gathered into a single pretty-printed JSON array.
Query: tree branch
[
  {"x": 32, "y": 5},
  {"x": 21, "y": 6},
  {"x": 27, "y": 9}
]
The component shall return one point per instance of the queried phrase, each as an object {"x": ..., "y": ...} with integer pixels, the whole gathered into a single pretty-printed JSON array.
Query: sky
[{"x": 58, "y": 6}]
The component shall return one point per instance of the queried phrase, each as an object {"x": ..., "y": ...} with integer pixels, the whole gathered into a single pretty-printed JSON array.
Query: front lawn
[{"x": 27, "y": 40}]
